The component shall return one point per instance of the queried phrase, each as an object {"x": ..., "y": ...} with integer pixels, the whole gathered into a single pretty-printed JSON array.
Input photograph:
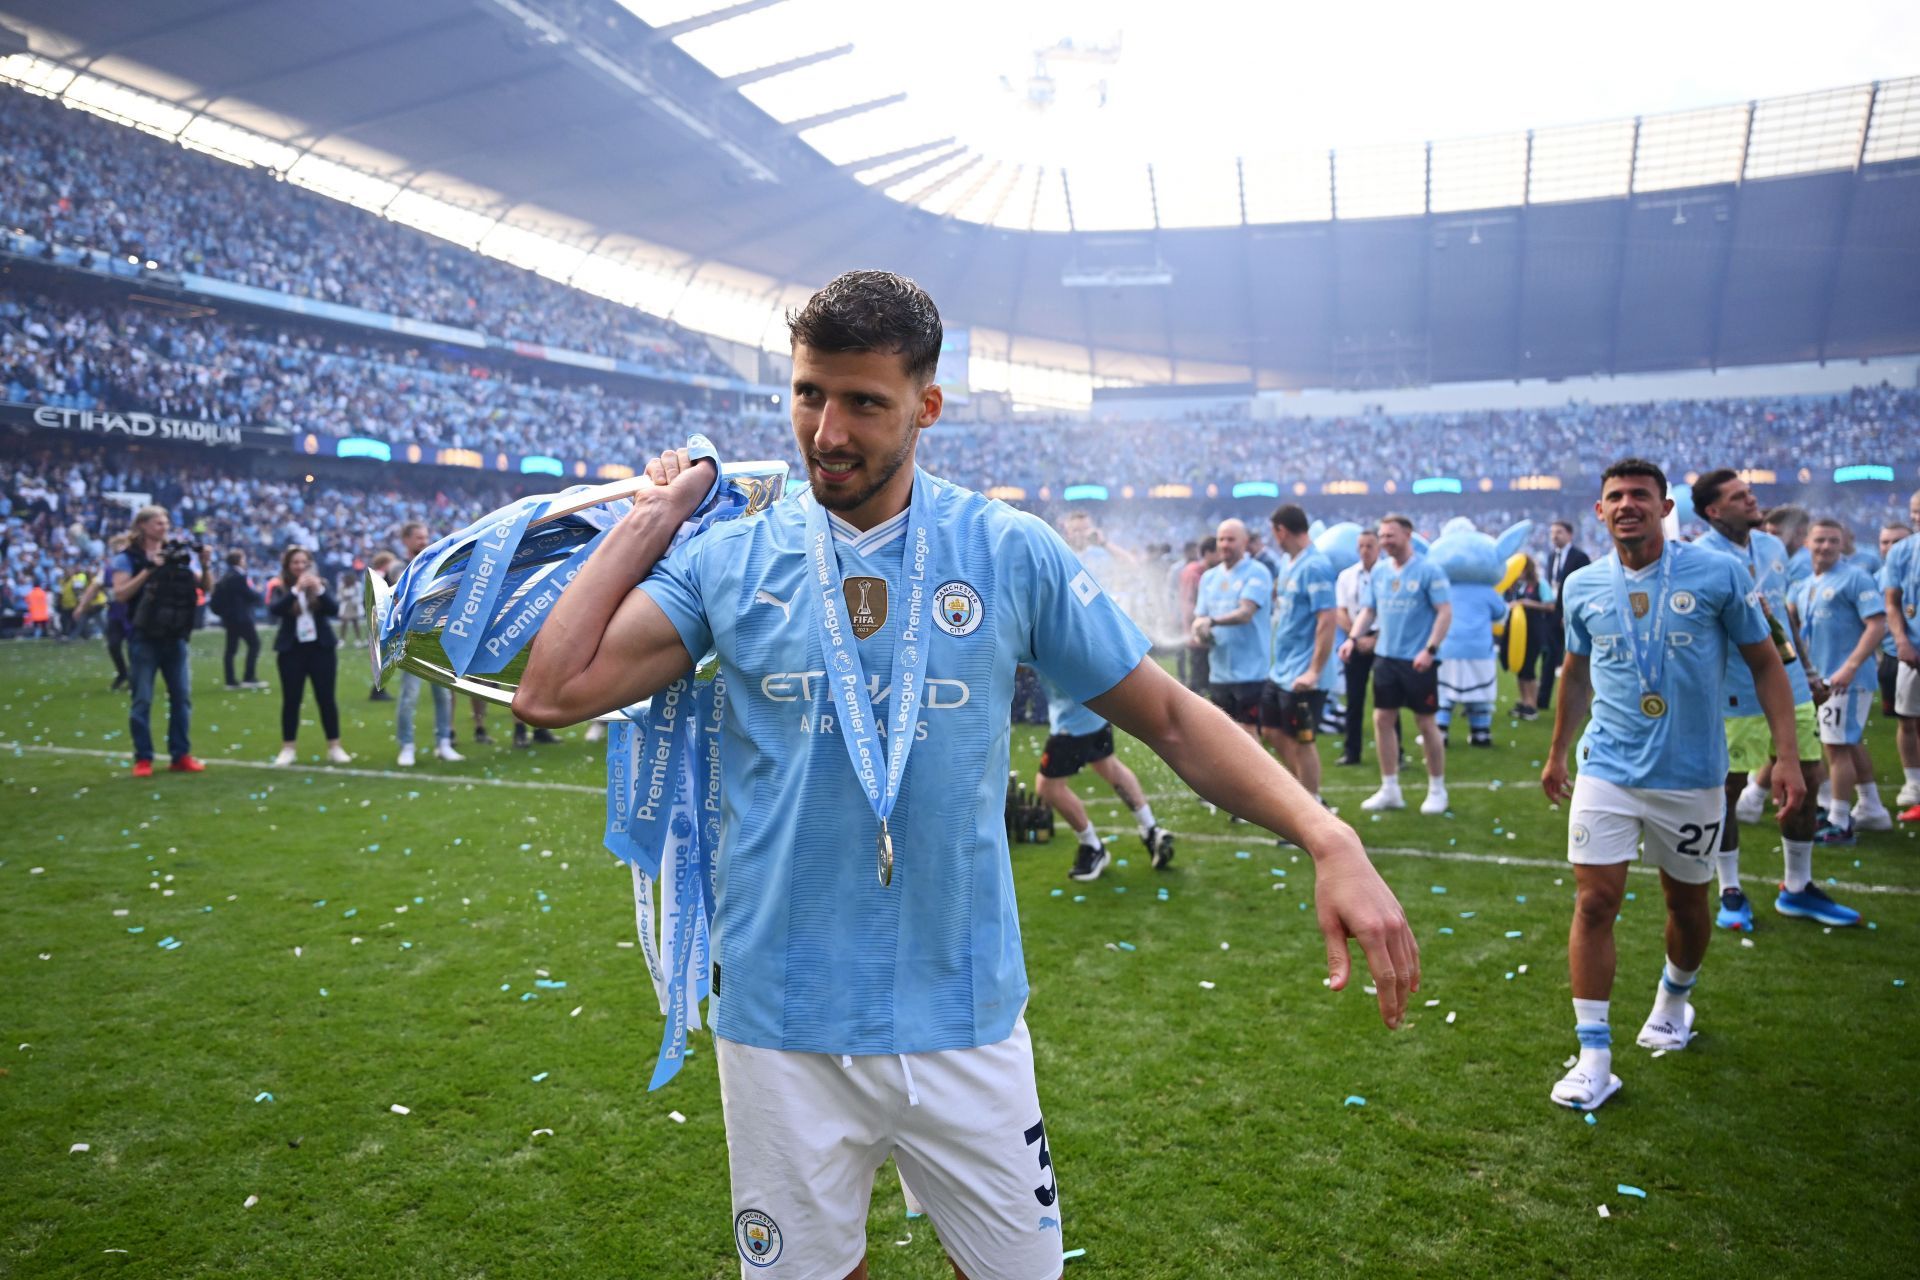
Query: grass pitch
[{"x": 352, "y": 939}]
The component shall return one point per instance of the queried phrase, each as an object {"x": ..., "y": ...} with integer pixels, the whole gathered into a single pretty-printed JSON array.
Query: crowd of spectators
[{"x": 71, "y": 179}]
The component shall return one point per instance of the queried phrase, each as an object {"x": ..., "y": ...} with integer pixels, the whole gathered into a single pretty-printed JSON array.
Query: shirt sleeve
[
  {"x": 1259, "y": 585},
  {"x": 1739, "y": 613},
  {"x": 1078, "y": 636},
  {"x": 674, "y": 585},
  {"x": 1319, "y": 589},
  {"x": 1363, "y": 590},
  {"x": 1871, "y": 602},
  {"x": 1578, "y": 641},
  {"x": 1439, "y": 587}
]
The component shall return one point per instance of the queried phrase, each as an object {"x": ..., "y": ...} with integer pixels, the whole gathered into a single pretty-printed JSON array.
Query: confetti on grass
[
  {"x": 1354, "y": 1100},
  {"x": 1626, "y": 1190},
  {"x": 399, "y": 1110}
]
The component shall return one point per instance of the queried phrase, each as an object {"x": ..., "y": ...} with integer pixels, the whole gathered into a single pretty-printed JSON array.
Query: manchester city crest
[
  {"x": 758, "y": 1238},
  {"x": 957, "y": 609}
]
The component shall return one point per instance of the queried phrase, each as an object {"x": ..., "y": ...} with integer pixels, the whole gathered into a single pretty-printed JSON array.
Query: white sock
[
  {"x": 1391, "y": 784},
  {"x": 1913, "y": 776},
  {"x": 1596, "y": 1037},
  {"x": 1676, "y": 988},
  {"x": 1753, "y": 791},
  {"x": 1144, "y": 816},
  {"x": 1089, "y": 837},
  {"x": 1839, "y": 813},
  {"x": 1436, "y": 782},
  {"x": 1825, "y": 794},
  {"x": 1799, "y": 864},
  {"x": 1728, "y": 862},
  {"x": 1869, "y": 801}
]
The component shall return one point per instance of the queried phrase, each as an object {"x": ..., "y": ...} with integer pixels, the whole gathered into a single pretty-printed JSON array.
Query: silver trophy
[{"x": 495, "y": 582}]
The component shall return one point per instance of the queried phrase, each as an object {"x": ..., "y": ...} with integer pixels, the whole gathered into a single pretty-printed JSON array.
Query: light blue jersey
[
  {"x": 1067, "y": 717},
  {"x": 1764, "y": 562},
  {"x": 812, "y": 952},
  {"x": 1902, "y": 571},
  {"x": 1240, "y": 653},
  {"x": 1476, "y": 608},
  {"x": 1799, "y": 567},
  {"x": 1706, "y": 617},
  {"x": 1306, "y": 588},
  {"x": 1834, "y": 607},
  {"x": 1405, "y": 598}
]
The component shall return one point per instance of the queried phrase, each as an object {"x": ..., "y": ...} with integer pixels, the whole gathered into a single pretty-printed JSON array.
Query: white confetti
[
  {"x": 296, "y": 953},
  {"x": 1433, "y": 1004},
  {"x": 250, "y": 1202},
  {"x": 1659, "y": 1053},
  {"x": 399, "y": 1110},
  {"x": 36, "y": 871},
  {"x": 547, "y": 1132},
  {"x": 119, "y": 911},
  {"x": 1746, "y": 942},
  {"x": 1205, "y": 985},
  {"x": 1451, "y": 1015},
  {"x": 1604, "y": 1213},
  {"x": 576, "y": 1011},
  {"x": 1225, "y": 947},
  {"x": 1522, "y": 969},
  {"x": 676, "y": 1117},
  {"x": 78, "y": 1148}
]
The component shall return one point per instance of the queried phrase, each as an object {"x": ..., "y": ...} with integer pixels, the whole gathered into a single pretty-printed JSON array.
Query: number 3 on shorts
[{"x": 1046, "y": 1194}]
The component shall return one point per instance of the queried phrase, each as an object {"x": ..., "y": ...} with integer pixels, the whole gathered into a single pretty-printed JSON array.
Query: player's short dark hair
[
  {"x": 1635, "y": 467},
  {"x": 1788, "y": 516},
  {"x": 1902, "y": 526},
  {"x": 1209, "y": 545},
  {"x": 236, "y": 558},
  {"x": 1827, "y": 522},
  {"x": 1706, "y": 489},
  {"x": 872, "y": 311},
  {"x": 1562, "y": 524},
  {"x": 1367, "y": 531},
  {"x": 1394, "y": 517},
  {"x": 1291, "y": 517}
]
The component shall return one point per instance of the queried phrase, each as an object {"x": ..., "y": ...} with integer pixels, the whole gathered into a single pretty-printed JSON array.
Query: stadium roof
[{"x": 574, "y": 138}]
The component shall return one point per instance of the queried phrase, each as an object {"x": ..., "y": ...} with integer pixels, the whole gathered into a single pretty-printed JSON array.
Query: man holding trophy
[{"x": 868, "y": 987}]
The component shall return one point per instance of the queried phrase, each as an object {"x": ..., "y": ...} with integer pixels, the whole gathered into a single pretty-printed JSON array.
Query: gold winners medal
[
  {"x": 1651, "y": 704},
  {"x": 885, "y": 846}
]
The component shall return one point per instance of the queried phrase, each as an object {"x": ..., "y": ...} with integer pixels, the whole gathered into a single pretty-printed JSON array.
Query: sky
[{"x": 1214, "y": 77}]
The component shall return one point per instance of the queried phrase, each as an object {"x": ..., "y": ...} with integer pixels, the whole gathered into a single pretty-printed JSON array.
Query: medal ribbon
[
  {"x": 859, "y": 729},
  {"x": 1647, "y": 664}
]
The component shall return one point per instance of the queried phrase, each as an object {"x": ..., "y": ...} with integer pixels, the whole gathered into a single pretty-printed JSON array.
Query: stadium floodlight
[
  {"x": 1084, "y": 493},
  {"x": 1863, "y": 471},
  {"x": 1437, "y": 484},
  {"x": 1256, "y": 489}
]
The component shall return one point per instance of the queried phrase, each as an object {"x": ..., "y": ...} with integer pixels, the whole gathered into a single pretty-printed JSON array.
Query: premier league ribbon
[
  {"x": 1648, "y": 662},
  {"x": 859, "y": 728},
  {"x": 462, "y": 615}
]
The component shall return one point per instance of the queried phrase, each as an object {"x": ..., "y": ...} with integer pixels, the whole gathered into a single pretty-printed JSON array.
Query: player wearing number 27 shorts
[{"x": 1649, "y": 630}]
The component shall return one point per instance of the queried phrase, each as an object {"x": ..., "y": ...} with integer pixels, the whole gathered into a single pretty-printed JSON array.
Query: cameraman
[
  {"x": 158, "y": 581},
  {"x": 233, "y": 602}
]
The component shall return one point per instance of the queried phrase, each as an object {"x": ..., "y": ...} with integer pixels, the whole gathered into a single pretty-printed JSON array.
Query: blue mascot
[{"x": 1478, "y": 568}]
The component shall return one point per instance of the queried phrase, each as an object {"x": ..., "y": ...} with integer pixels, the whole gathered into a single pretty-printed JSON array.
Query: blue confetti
[
  {"x": 1626, "y": 1190},
  {"x": 1241, "y": 853},
  {"x": 1468, "y": 915},
  {"x": 1059, "y": 893},
  {"x": 1079, "y": 897},
  {"x": 1278, "y": 871},
  {"x": 542, "y": 1076},
  {"x": 350, "y": 913},
  {"x": 1520, "y": 898},
  {"x": 1119, "y": 888},
  {"x": 1354, "y": 1100},
  {"x": 138, "y": 928},
  {"x": 1592, "y": 1119},
  {"x": 1128, "y": 946},
  {"x": 549, "y": 985},
  {"x": 263, "y": 1097},
  {"x": 1073, "y": 1253},
  {"x": 528, "y": 995},
  {"x": 1445, "y": 930},
  {"x": 418, "y": 901},
  {"x": 1514, "y": 933},
  {"x": 506, "y": 986},
  {"x": 1438, "y": 888}
]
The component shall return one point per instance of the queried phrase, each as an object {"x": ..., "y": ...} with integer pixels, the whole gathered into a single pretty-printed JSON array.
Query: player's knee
[{"x": 1596, "y": 905}]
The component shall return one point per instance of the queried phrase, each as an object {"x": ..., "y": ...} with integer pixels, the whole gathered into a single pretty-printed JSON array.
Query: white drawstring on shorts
[{"x": 906, "y": 1070}]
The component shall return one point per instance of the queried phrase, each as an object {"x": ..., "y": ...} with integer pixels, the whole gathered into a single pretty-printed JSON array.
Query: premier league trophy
[{"x": 464, "y": 613}]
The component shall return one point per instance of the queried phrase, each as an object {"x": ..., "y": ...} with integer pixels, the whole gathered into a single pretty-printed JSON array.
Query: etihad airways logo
[{"x": 800, "y": 686}]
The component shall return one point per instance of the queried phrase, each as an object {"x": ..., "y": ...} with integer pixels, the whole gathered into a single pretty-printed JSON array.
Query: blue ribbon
[{"x": 1647, "y": 663}]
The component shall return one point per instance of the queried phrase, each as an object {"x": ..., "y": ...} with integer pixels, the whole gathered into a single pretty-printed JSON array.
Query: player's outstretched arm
[
  {"x": 1776, "y": 700},
  {"x": 1570, "y": 712},
  {"x": 1222, "y": 764},
  {"x": 606, "y": 645}
]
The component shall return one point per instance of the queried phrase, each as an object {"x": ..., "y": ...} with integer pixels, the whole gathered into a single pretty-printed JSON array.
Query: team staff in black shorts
[
  {"x": 1303, "y": 620},
  {"x": 1233, "y": 615},
  {"x": 1080, "y": 739},
  {"x": 1411, "y": 596}
]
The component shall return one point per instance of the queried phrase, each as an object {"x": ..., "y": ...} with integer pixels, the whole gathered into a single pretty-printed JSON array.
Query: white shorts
[
  {"x": 1843, "y": 720},
  {"x": 806, "y": 1132},
  {"x": 1681, "y": 829},
  {"x": 1906, "y": 693}
]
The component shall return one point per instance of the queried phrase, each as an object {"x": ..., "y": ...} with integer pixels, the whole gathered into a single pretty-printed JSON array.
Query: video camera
[{"x": 177, "y": 551}]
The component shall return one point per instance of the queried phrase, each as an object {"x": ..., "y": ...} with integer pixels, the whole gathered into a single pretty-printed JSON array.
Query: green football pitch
[{"x": 452, "y": 939}]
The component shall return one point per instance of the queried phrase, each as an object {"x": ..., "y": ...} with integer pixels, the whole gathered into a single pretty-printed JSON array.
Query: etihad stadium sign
[{"x": 137, "y": 426}]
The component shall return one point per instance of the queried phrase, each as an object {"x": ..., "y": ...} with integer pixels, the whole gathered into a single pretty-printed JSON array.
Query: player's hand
[
  {"x": 1907, "y": 652},
  {"x": 1366, "y": 643},
  {"x": 1352, "y": 901},
  {"x": 1423, "y": 661},
  {"x": 1346, "y": 651},
  {"x": 1789, "y": 788},
  {"x": 1306, "y": 683},
  {"x": 1842, "y": 681},
  {"x": 683, "y": 483},
  {"x": 1203, "y": 631},
  {"x": 1555, "y": 781}
]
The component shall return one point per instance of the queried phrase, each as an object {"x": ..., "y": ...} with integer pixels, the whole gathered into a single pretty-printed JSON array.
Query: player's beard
[{"x": 857, "y": 498}]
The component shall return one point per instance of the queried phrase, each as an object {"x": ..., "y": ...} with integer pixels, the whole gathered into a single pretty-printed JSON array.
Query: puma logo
[{"x": 764, "y": 596}]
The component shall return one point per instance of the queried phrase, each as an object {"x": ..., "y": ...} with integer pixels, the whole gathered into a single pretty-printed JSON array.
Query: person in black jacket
[
  {"x": 233, "y": 602},
  {"x": 1561, "y": 561},
  {"x": 305, "y": 647}
]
